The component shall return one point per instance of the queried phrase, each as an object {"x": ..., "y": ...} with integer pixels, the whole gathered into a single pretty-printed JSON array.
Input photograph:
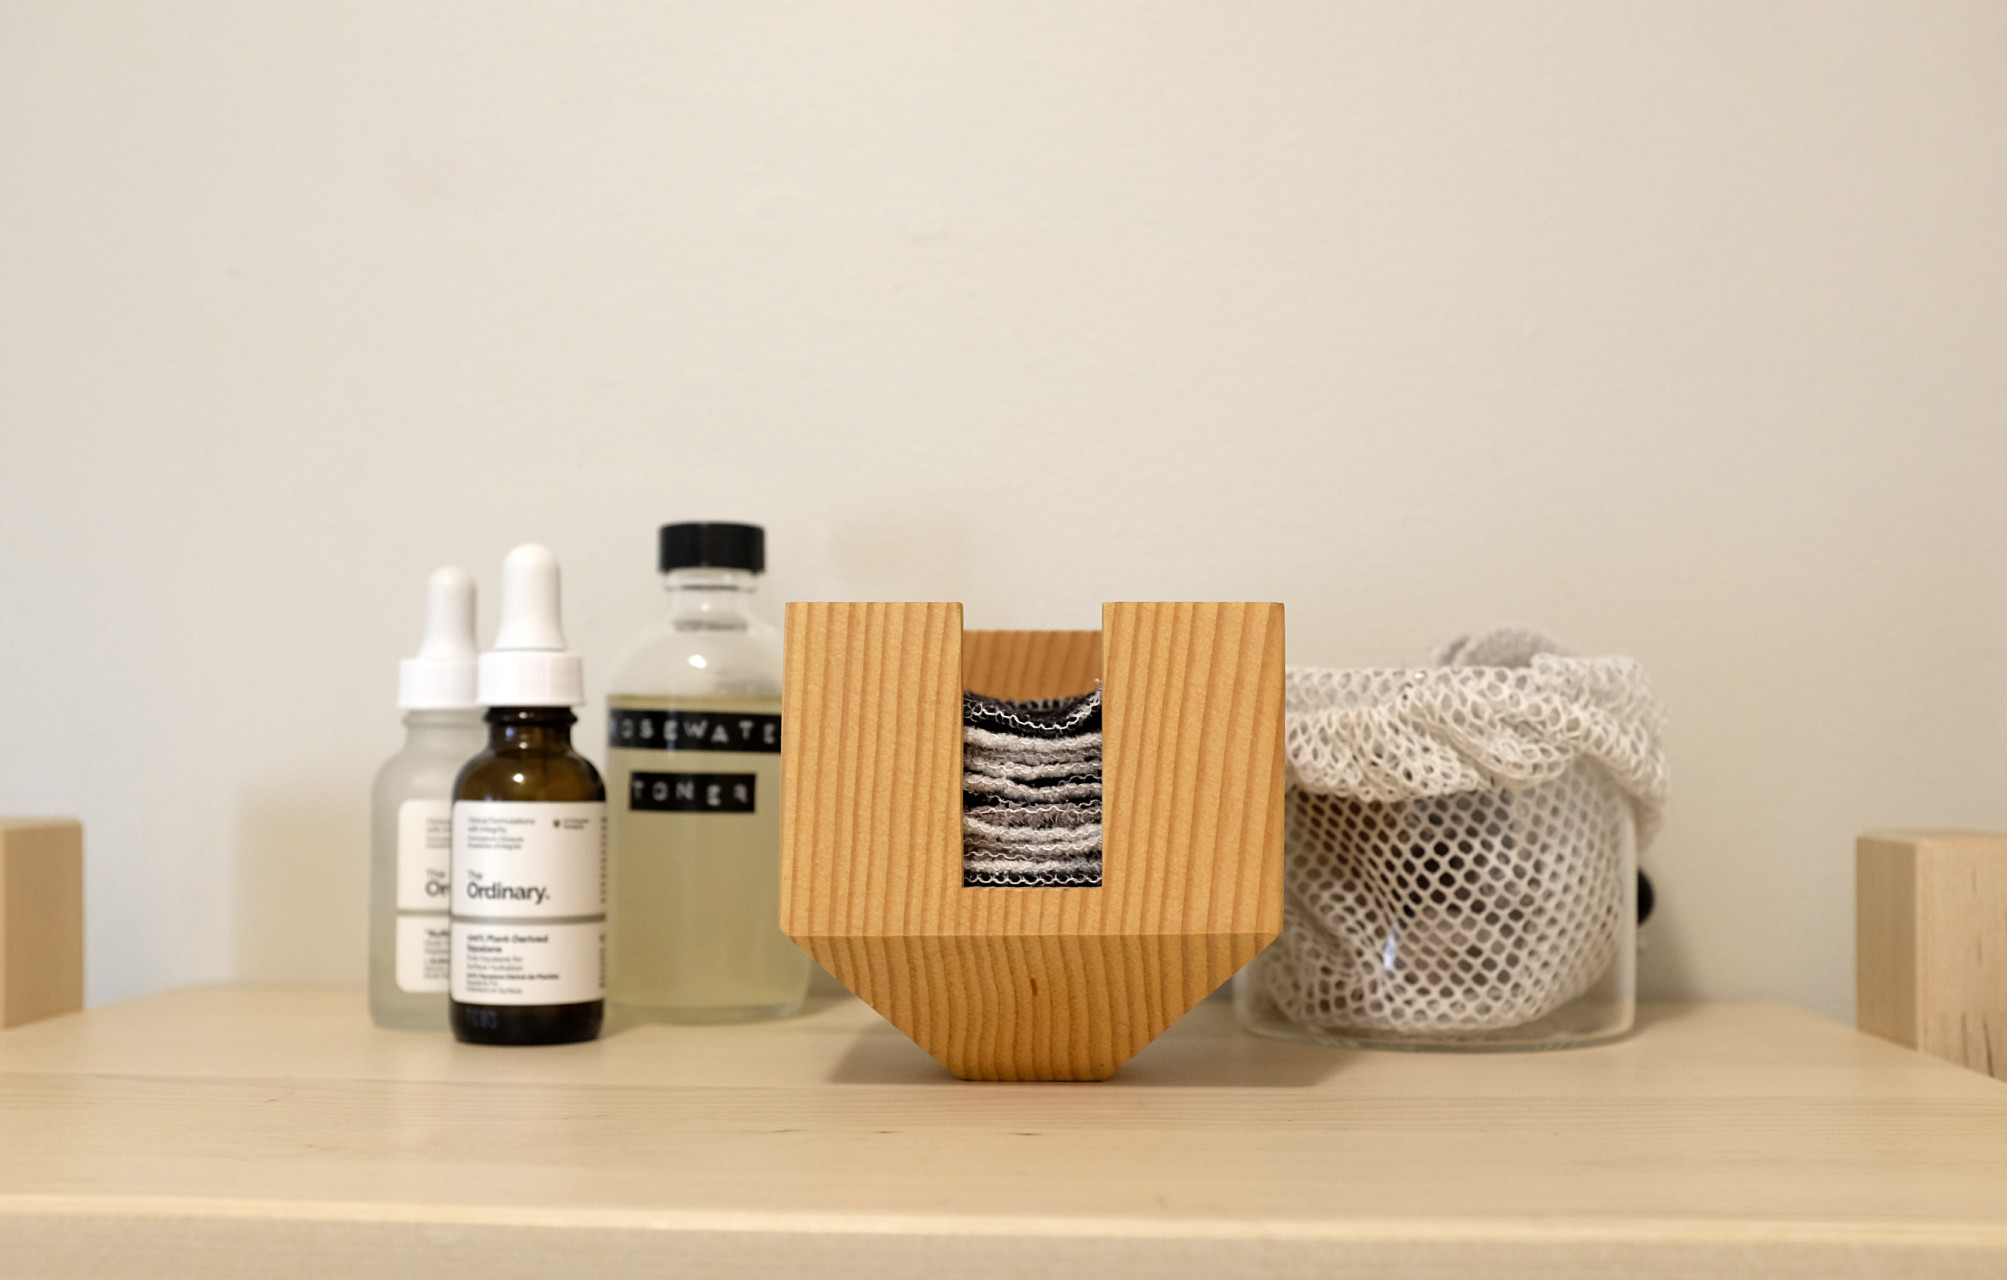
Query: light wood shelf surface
[{"x": 231, "y": 1131}]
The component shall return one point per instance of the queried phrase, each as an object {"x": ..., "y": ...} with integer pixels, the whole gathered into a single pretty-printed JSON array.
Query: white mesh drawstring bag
[{"x": 1457, "y": 836}]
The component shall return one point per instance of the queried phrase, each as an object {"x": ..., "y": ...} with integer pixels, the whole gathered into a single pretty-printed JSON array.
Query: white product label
[
  {"x": 424, "y": 854},
  {"x": 531, "y": 962},
  {"x": 529, "y": 902},
  {"x": 424, "y": 883},
  {"x": 423, "y": 952}
]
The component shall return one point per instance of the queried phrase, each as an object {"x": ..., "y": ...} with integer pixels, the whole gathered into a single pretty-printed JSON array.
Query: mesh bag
[{"x": 1456, "y": 833}]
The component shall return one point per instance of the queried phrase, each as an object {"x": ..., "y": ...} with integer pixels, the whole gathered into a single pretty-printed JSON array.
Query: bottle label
[
  {"x": 693, "y": 792},
  {"x": 682, "y": 729},
  {"x": 424, "y": 870},
  {"x": 529, "y": 902},
  {"x": 424, "y": 956},
  {"x": 696, "y": 853}
]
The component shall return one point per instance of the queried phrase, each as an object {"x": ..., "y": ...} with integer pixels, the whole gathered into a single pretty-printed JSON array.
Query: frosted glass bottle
[
  {"x": 693, "y": 790},
  {"x": 412, "y": 801},
  {"x": 411, "y": 813}
]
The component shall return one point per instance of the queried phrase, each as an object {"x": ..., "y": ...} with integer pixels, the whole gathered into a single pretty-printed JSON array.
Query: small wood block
[
  {"x": 1930, "y": 919},
  {"x": 41, "y": 919},
  {"x": 1032, "y": 984}
]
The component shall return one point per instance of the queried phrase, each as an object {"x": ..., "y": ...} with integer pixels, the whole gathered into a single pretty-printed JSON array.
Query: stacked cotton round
[{"x": 1031, "y": 792}]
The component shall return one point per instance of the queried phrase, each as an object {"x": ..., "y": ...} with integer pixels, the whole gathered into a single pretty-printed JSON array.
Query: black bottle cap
[{"x": 713, "y": 546}]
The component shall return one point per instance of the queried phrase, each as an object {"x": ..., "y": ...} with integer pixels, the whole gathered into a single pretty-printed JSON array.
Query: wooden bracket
[
  {"x": 41, "y": 919},
  {"x": 1930, "y": 924},
  {"x": 1032, "y": 984}
]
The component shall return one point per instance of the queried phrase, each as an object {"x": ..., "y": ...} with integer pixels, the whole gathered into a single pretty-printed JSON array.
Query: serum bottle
[
  {"x": 411, "y": 814},
  {"x": 693, "y": 748},
  {"x": 529, "y": 837}
]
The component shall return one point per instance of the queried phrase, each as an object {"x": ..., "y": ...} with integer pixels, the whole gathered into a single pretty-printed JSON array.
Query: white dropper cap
[
  {"x": 441, "y": 677},
  {"x": 528, "y": 667}
]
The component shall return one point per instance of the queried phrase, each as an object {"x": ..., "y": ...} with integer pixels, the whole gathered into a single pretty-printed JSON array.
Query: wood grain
[
  {"x": 871, "y": 769},
  {"x": 1033, "y": 984},
  {"x": 1931, "y": 943},
  {"x": 1193, "y": 770},
  {"x": 248, "y": 1132},
  {"x": 41, "y": 918},
  {"x": 1019, "y": 665}
]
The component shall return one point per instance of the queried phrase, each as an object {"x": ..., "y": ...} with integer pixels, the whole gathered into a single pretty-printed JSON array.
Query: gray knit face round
[{"x": 1031, "y": 792}]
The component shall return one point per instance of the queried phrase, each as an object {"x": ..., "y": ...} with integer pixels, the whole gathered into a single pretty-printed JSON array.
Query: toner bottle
[
  {"x": 411, "y": 814},
  {"x": 529, "y": 837},
  {"x": 693, "y": 747}
]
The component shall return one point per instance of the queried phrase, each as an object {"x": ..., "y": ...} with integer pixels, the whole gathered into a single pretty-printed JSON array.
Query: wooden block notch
[
  {"x": 1930, "y": 919},
  {"x": 1033, "y": 984},
  {"x": 41, "y": 919}
]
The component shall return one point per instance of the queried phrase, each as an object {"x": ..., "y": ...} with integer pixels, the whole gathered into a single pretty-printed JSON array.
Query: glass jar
[{"x": 1490, "y": 920}]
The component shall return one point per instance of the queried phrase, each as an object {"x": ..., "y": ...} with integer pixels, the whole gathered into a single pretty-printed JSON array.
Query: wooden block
[
  {"x": 1020, "y": 665},
  {"x": 1930, "y": 968},
  {"x": 1032, "y": 984},
  {"x": 41, "y": 919}
]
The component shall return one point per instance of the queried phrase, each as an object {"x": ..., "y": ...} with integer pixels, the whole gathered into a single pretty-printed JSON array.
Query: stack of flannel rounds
[{"x": 1031, "y": 792}]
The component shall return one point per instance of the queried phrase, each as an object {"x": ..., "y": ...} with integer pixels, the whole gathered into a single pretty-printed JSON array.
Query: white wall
[{"x": 1680, "y": 330}]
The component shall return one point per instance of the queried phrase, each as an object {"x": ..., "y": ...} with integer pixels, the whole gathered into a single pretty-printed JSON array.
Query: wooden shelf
[{"x": 226, "y": 1132}]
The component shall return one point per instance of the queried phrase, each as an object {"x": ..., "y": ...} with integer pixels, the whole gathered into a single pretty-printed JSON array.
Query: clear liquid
[
  {"x": 693, "y": 897},
  {"x": 437, "y": 744}
]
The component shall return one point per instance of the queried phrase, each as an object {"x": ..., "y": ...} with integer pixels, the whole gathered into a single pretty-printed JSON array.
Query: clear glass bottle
[
  {"x": 411, "y": 814},
  {"x": 693, "y": 763}
]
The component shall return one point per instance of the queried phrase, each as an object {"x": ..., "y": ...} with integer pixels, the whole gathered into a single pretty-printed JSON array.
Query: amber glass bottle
[
  {"x": 529, "y": 837},
  {"x": 530, "y": 767}
]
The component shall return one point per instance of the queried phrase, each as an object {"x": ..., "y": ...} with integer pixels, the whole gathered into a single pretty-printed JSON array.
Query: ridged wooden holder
[{"x": 1032, "y": 984}]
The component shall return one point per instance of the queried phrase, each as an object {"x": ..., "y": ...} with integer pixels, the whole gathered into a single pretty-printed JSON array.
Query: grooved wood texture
[
  {"x": 1033, "y": 984},
  {"x": 1931, "y": 943},
  {"x": 871, "y": 770},
  {"x": 1192, "y": 769},
  {"x": 41, "y": 919},
  {"x": 1019, "y": 665}
]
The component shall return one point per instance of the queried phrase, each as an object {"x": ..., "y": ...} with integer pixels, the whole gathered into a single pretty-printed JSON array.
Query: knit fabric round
[
  {"x": 1456, "y": 835},
  {"x": 1031, "y": 792}
]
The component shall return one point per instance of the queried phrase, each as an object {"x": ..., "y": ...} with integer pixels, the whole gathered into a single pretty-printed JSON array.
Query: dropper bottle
[
  {"x": 411, "y": 804},
  {"x": 529, "y": 836}
]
